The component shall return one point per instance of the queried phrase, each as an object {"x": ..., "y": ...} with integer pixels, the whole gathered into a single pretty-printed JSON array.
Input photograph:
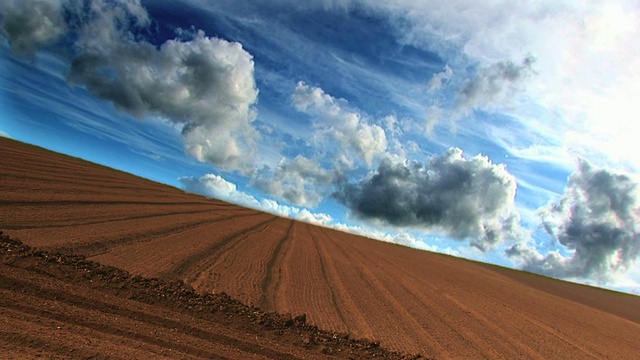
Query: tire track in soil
[
  {"x": 514, "y": 342},
  {"x": 323, "y": 269},
  {"x": 267, "y": 296},
  {"x": 557, "y": 334},
  {"x": 204, "y": 282},
  {"x": 95, "y": 305},
  {"x": 181, "y": 269},
  {"x": 112, "y": 330},
  {"x": 410, "y": 290},
  {"x": 89, "y": 183},
  {"x": 374, "y": 283},
  {"x": 51, "y": 347},
  {"x": 463, "y": 339},
  {"x": 436, "y": 311},
  {"x": 107, "y": 202},
  {"x": 69, "y": 341},
  {"x": 104, "y": 246},
  {"x": 448, "y": 324},
  {"x": 531, "y": 353},
  {"x": 81, "y": 170},
  {"x": 111, "y": 220},
  {"x": 65, "y": 163},
  {"x": 355, "y": 321}
]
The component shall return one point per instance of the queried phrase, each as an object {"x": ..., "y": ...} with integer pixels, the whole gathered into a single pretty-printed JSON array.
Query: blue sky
[{"x": 495, "y": 131}]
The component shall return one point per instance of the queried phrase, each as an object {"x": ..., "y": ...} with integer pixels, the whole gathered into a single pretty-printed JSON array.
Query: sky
[{"x": 498, "y": 131}]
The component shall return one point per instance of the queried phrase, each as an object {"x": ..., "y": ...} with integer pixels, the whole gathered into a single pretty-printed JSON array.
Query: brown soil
[
  {"x": 60, "y": 305},
  {"x": 410, "y": 301}
]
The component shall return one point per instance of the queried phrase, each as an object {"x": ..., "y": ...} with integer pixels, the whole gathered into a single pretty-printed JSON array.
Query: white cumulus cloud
[
  {"x": 335, "y": 121},
  {"x": 215, "y": 186},
  {"x": 205, "y": 85},
  {"x": 300, "y": 181}
]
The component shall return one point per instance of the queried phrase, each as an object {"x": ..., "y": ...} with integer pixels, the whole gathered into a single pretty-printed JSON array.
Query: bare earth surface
[{"x": 410, "y": 301}]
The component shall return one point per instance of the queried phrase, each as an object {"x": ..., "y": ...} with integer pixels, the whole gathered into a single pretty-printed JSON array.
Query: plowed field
[{"x": 411, "y": 301}]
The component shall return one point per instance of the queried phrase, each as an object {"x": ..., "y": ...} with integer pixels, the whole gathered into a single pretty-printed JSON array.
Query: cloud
[
  {"x": 5, "y": 135},
  {"x": 31, "y": 25},
  {"x": 584, "y": 51},
  {"x": 490, "y": 88},
  {"x": 215, "y": 186},
  {"x": 597, "y": 219},
  {"x": 307, "y": 216},
  {"x": 337, "y": 122},
  {"x": 395, "y": 237},
  {"x": 206, "y": 85},
  {"x": 439, "y": 79},
  {"x": 466, "y": 198},
  {"x": 493, "y": 85},
  {"x": 300, "y": 181}
]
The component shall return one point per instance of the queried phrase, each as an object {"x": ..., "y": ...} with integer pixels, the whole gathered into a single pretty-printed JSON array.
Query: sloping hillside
[{"x": 409, "y": 300}]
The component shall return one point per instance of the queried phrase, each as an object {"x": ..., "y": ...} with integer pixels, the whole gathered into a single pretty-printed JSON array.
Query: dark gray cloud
[
  {"x": 31, "y": 25},
  {"x": 597, "y": 218},
  {"x": 466, "y": 198},
  {"x": 495, "y": 83},
  {"x": 204, "y": 85}
]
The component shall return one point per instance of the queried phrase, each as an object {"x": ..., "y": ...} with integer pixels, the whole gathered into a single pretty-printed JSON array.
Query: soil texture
[{"x": 97, "y": 263}]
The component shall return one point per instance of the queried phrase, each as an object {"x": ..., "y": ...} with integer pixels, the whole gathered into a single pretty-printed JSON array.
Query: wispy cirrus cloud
[
  {"x": 580, "y": 85},
  {"x": 440, "y": 79}
]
